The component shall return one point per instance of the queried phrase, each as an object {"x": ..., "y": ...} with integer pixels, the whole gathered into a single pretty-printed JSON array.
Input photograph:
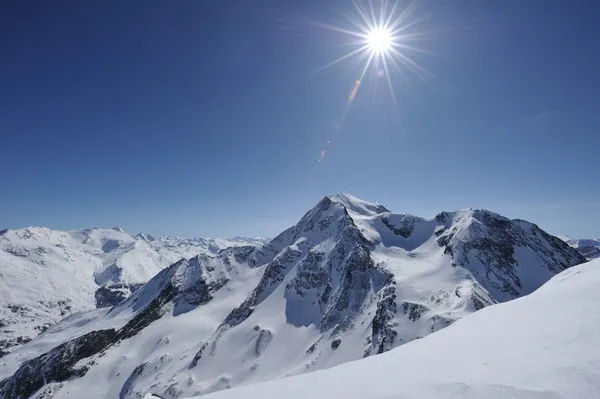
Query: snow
[
  {"x": 588, "y": 247},
  {"x": 357, "y": 205},
  {"x": 544, "y": 345},
  {"x": 350, "y": 280},
  {"x": 47, "y": 275},
  {"x": 581, "y": 242}
]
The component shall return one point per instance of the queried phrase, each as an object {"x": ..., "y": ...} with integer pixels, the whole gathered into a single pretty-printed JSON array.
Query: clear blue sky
[{"x": 206, "y": 117}]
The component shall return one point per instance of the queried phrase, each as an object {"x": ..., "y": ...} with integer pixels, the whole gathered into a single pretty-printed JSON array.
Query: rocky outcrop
[
  {"x": 414, "y": 311},
  {"x": 57, "y": 365},
  {"x": 403, "y": 230},
  {"x": 111, "y": 294},
  {"x": 198, "y": 355},
  {"x": 262, "y": 341},
  {"x": 383, "y": 325},
  {"x": 10, "y": 343},
  {"x": 589, "y": 252}
]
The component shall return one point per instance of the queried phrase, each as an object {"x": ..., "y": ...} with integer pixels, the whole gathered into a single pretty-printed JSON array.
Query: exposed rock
[
  {"x": 129, "y": 384},
  {"x": 589, "y": 252},
  {"x": 111, "y": 294},
  {"x": 198, "y": 356},
  {"x": 405, "y": 230},
  {"x": 173, "y": 391},
  {"x": 263, "y": 340},
  {"x": 491, "y": 242},
  {"x": 413, "y": 310},
  {"x": 383, "y": 327},
  {"x": 10, "y": 343},
  {"x": 150, "y": 313},
  {"x": 56, "y": 365},
  {"x": 336, "y": 343}
]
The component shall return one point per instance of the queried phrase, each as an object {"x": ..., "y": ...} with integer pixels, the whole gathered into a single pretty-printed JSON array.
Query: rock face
[
  {"x": 590, "y": 252},
  {"x": 57, "y": 365},
  {"x": 349, "y": 280},
  {"x": 496, "y": 249},
  {"x": 111, "y": 294}
]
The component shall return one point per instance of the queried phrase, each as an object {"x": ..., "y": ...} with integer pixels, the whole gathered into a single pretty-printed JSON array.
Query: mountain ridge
[
  {"x": 588, "y": 247},
  {"x": 49, "y": 274},
  {"x": 349, "y": 280}
]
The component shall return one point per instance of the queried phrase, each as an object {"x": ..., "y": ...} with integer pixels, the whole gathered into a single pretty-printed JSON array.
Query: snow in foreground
[{"x": 545, "y": 345}]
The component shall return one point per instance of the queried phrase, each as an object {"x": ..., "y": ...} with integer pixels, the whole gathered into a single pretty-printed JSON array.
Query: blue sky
[{"x": 207, "y": 118}]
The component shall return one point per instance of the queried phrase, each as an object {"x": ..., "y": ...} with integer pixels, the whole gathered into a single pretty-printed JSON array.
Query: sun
[
  {"x": 380, "y": 40},
  {"x": 380, "y": 35}
]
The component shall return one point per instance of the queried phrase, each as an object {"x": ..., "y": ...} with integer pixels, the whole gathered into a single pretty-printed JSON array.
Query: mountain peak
[
  {"x": 119, "y": 229},
  {"x": 145, "y": 237},
  {"x": 357, "y": 205},
  {"x": 349, "y": 280}
]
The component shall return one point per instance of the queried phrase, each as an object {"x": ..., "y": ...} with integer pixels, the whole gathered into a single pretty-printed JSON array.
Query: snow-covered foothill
[{"x": 46, "y": 275}]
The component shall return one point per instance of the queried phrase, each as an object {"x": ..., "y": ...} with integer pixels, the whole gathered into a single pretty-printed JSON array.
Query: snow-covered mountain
[
  {"x": 349, "y": 280},
  {"x": 589, "y": 248},
  {"x": 49, "y": 274},
  {"x": 532, "y": 348}
]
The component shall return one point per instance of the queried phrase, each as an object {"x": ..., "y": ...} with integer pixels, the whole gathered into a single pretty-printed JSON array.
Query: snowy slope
[
  {"x": 349, "y": 280},
  {"x": 590, "y": 248},
  {"x": 545, "y": 345},
  {"x": 48, "y": 274}
]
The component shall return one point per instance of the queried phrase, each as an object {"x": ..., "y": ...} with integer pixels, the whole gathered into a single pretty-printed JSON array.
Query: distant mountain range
[
  {"x": 350, "y": 280},
  {"x": 47, "y": 275},
  {"x": 590, "y": 248}
]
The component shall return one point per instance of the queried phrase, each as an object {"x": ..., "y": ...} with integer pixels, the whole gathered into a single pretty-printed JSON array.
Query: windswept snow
[{"x": 545, "y": 345}]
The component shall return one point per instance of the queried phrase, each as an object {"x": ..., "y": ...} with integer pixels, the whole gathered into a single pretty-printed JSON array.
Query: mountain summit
[
  {"x": 357, "y": 205},
  {"x": 350, "y": 280}
]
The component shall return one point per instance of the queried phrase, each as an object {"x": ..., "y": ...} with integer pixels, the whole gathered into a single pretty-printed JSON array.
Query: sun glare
[
  {"x": 381, "y": 34},
  {"x": 379, "y": 37},
  {"x": 379, "y": 40}
]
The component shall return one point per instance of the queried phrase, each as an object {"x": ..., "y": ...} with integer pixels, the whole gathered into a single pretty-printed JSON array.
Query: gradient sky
[{"x": 206, "y": 117}]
